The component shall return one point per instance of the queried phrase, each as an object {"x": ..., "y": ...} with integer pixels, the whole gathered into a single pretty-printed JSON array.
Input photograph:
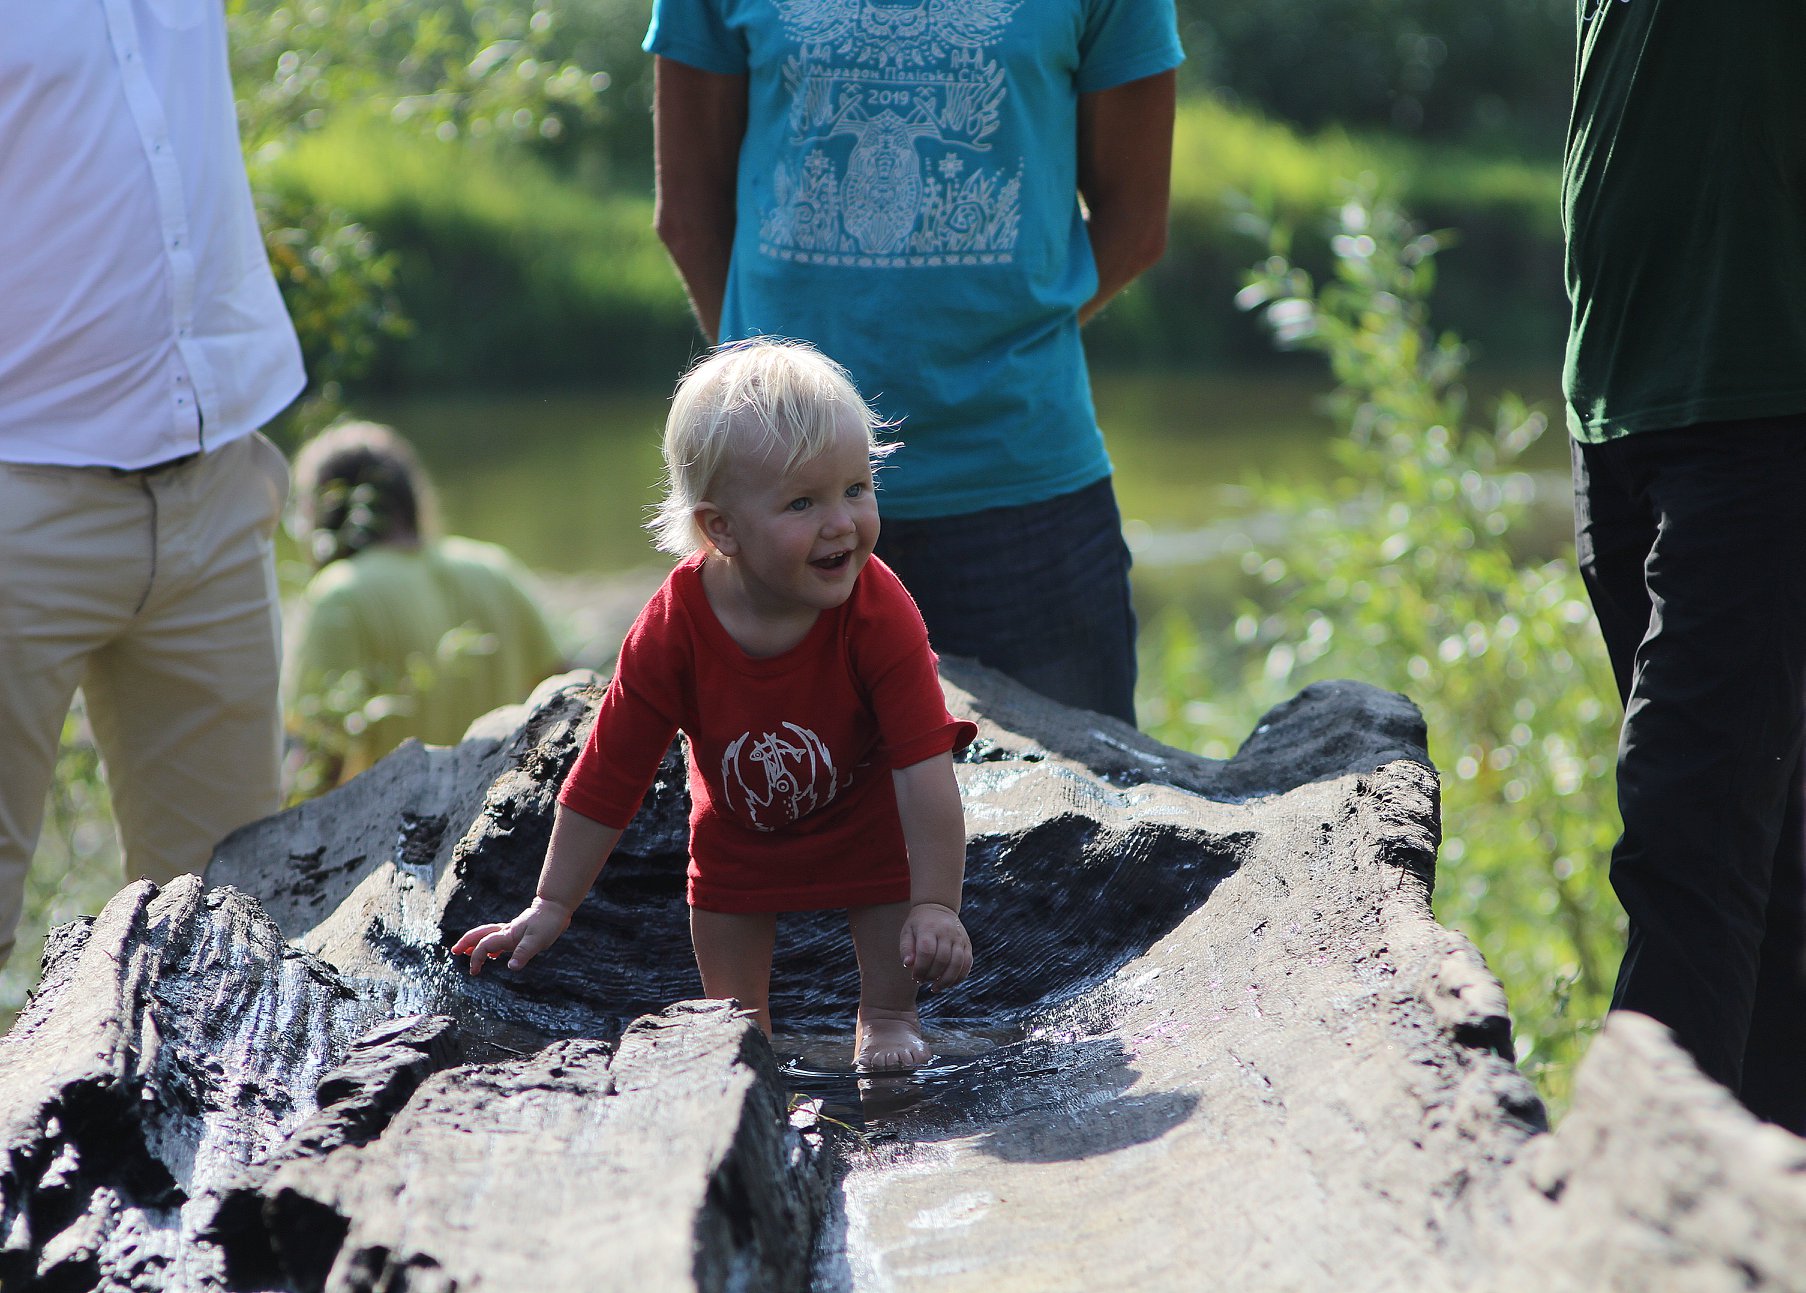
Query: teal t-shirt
[
  {"x": 1684, "y": 197},
  {"x": 907, "y": 201}
]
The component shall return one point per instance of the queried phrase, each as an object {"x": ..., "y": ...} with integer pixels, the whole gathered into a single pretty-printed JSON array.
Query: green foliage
[
  {"x": 1504, "y": 289},
  {"x": 1495, "y": 75},
  {"x": 566, "y": 84},
  {"x": 509, "y": 274},
  {"x": 1412, "y": 574},
  {"x": 1220, "y": 151},
  {"x": 339, "y": 288},
  {"x": 448, "y": 68}
]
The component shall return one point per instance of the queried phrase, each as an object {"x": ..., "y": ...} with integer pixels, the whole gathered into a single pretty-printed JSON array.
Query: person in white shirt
[{"x": 143, "y": 342}]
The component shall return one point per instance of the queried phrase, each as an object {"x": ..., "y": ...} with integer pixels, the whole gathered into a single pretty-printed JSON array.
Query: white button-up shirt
[{"x": 139, "y": 320}]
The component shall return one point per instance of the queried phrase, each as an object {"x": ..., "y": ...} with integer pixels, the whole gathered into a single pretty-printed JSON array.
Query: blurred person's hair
[{"x": 359, "y": 484}]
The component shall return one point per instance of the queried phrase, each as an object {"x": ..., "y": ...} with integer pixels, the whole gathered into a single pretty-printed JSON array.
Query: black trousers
[
  {"x": 1692, "y": 543},
  {"x": 1039, "y": 591}
]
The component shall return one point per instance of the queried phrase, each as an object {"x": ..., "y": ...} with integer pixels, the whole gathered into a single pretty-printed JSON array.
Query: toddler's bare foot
[{"x": 889, "y": 1039}]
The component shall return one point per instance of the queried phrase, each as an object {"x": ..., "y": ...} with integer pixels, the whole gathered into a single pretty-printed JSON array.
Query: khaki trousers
[{"x": 155, "y": 593}]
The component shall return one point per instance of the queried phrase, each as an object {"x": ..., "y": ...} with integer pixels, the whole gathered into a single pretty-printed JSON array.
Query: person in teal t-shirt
[
  {"x": 1685, "y": 210},
  {"x": 899, "y": 185},
  {"x": 403, "y": 634}
]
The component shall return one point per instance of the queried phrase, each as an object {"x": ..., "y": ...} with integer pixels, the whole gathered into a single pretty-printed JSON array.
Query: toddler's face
[{"x": 801, "y": 536}]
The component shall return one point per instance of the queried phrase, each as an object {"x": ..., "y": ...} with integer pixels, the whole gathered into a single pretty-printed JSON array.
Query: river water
[{"x": 565, "y": 480}]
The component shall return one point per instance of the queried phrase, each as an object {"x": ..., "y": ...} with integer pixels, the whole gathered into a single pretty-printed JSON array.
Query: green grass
[{"x": 1234, "y": 170}]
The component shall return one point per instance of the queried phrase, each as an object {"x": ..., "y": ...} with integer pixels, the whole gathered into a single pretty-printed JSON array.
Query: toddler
[{"x": 798, "y": 668}]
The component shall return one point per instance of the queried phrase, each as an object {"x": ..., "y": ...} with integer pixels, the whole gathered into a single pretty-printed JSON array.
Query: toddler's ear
[{"x": 717, "y": 527}]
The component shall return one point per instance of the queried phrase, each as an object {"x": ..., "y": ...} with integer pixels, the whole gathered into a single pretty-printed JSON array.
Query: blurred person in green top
[{"x": 402, "y": 633}]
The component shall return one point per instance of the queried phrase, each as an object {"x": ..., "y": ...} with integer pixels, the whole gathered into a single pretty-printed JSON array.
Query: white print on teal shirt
[
  {"x": 772, "y": 780},
  {"x": 891, "y": 108}
]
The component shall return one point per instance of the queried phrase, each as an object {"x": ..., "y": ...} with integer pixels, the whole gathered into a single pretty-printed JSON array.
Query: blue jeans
[
  {"x": 1039, "y": 592},
  {"x": 1691, "y": 545}
]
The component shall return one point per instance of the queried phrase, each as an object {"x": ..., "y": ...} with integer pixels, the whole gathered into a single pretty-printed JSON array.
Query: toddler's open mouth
[{"x": 834, "y": 562}]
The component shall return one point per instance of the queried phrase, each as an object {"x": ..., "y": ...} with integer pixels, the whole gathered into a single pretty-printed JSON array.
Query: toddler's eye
[
  {"x": 857, "y": 491},
  {"x": 798, "y": 505}
]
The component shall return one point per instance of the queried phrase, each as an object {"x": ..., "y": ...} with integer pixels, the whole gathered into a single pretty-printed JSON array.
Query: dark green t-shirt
[{"x": 1684, "y": 197}]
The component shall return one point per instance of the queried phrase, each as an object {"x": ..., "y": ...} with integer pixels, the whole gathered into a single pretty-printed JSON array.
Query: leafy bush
[
  {"x": 455, "y": 67},
  {"x": 508, "y": 274},
  {"x": 339, "y": 287},
  {"x": 1411, "y": 574},
  {"x": 449, "y": 69},
  {"x": 1504, "y": 290}
]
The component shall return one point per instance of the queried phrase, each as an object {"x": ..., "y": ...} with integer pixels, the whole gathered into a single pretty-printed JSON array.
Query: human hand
[
  {"x": 935, "y": 946},
  {"x": 520, "y": 940}
]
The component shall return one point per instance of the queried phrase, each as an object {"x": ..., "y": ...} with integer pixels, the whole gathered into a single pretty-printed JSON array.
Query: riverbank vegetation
[
  {"x": 513, "y": 275},
  {"x": 1415, "y": 570},
  {"x": 493, "y": 162},
  {"x": 457, "y": 197}
]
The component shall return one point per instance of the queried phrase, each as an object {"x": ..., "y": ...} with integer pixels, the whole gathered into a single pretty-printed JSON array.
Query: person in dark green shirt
[
  {"x": 1684, "y": 198},
  {"x": 403, "y": 633}
]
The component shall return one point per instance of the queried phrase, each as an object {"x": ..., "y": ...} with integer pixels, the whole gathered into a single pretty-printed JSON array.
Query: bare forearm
[
  {"x": 934, "y": 829},
  {"x": 701, "y": 257},
  {"x": 574, "y": 858},
  {"x": 1125, "y": 177},
  {"x": 699, "y": 120},
  {"x": 1125, "y": 244}
]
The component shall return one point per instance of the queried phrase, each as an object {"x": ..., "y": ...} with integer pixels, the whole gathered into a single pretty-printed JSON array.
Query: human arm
[
  {"x": 934, "y": 944},
  {"x": 1125, "y": 176},
  {"x": 698, "y": 121},
  {"x": 574, "y": 858}
]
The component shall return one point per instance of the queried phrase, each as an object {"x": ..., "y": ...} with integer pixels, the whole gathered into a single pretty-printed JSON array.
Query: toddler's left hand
[{"x": 935, "y": 946}]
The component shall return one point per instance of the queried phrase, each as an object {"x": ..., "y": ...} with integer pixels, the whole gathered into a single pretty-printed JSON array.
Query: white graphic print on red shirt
[{"x": 776, "y": 778}]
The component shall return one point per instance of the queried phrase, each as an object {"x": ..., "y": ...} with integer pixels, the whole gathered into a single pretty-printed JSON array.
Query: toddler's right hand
[
  {"x": 935, "y": 946},
  {"x": 520, "y": 940}
]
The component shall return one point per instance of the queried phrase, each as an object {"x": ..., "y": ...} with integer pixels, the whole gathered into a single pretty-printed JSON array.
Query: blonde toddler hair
[{"x": 766, "y": 393}]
